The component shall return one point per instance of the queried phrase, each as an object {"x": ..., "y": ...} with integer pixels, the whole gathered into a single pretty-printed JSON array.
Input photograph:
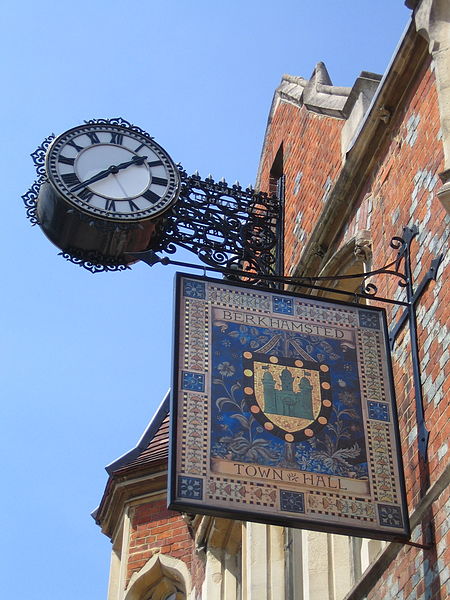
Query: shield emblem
[{"x": 291, "y": 398}]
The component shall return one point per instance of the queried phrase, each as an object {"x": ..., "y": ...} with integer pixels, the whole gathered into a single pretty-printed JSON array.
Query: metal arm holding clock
[{"x": 106, "y": 191}]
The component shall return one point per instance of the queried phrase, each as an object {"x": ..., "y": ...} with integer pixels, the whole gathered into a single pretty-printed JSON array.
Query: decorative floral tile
[
  {"x": 193, "y": 381},
  {"x": 292, "y": 501},
  {"x": 282, "y": 305},
  {"x": 194, "y": 289},
  {"x": 369, "y": 319},
  {"x": 390, "y": 516},
  {"x": 378, "y": 411},
  {"x": 190, "y": 487}
]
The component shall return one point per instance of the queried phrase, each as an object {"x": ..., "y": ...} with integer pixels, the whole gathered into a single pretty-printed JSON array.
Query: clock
[
  {"x": 106, "y": 187},
  {"x": 112, "y": 172}
]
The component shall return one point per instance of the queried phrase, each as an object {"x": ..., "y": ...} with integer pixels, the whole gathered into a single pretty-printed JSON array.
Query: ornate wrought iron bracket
[{"x": 226, "y": 226}]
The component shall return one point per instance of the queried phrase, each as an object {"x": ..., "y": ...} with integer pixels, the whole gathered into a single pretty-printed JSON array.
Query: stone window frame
[{"x": 161, "y": 578}]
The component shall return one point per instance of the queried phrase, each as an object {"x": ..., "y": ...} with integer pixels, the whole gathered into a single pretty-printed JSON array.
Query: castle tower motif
[
  {"x": 286, "y": 401},
  {"x": 270, "y": 401}
]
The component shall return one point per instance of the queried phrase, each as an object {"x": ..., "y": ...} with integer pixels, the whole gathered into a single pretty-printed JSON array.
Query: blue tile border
[
  {"x": 369, "y": 319},
  {"x": 390, "y": 516},
  {"x": 378, "y": 410},
  {"x": 194, "y": 289}
]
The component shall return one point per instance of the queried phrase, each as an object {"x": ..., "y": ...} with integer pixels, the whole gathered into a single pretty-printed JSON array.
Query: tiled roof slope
[{"x": 157, "y": 450}]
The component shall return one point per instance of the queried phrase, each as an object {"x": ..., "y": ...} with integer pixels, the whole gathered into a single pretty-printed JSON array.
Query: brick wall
[
  {"x": 402, "y": 192},
  {"x": 420, "y": 574},
  {"x": 311, "y": 161},
  {"x": 156, "y": 529}
]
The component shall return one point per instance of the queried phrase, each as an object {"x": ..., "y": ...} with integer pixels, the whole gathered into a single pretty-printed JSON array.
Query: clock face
[{"x": 113, "y": 172}]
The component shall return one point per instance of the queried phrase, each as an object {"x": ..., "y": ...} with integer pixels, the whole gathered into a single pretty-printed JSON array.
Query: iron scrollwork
[
  {"x": 227, "y": 227},
  {"x": 31, "y": 196},
  {"x": 93, "y": 261}
]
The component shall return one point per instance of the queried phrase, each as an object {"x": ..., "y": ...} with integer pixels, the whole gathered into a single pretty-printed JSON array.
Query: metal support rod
[
  {"x": 422, "y": 433},
  {"x": 416, "y": 545},
  {"x": 280, "y": 227},
  {"x": 429, "y": 276},
  {"x": 151, "y": 258}
]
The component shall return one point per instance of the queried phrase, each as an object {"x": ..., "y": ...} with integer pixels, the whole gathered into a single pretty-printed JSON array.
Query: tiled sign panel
[{"x": 283, "y": 411}]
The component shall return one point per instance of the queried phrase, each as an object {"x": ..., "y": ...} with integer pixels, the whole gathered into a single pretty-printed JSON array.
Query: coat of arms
[{"x": 289, "y": 397}]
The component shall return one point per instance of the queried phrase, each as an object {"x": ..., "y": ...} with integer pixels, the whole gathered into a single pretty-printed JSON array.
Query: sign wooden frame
[{"x": 283, "y": 411}]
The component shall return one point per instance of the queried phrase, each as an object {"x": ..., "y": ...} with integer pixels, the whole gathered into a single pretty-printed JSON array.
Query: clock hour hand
[{"x": 112, "y": 170}]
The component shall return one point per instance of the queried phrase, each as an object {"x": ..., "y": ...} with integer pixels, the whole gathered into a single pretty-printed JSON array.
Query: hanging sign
[{"x": 283, "y": 411}]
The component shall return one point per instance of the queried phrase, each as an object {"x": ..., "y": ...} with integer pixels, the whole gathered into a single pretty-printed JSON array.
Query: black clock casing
[{"x": 107, "y": 188}]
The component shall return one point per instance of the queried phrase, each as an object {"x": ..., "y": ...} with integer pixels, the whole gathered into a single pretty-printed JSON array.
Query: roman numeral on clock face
[
  {"x": 151, "y": 196},
  {"x": 116, "y": 138},
  {"x": 70, "y": 179},
  {"x": 75, "y": 145},
  {"x": 133, "y": 206},
  {"x": 110, "y": 205},
  {"x": 159, "y": 181},
  {"x": 93, "y": 137},
  {"x": 86, "y": 194},
  {"x": 65, "y": 160}
]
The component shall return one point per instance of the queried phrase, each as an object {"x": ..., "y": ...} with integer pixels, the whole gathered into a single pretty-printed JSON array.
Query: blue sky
[{"x": 86, "y": 358}]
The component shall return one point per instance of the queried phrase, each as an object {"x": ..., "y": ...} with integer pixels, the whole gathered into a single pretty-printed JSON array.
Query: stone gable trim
[
  {"x": 361, "y": 158},
  {"x": 317, "y": 95}
]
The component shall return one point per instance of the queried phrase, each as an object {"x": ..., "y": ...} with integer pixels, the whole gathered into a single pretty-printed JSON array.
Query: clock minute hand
[{"x": 112, "y": 170}]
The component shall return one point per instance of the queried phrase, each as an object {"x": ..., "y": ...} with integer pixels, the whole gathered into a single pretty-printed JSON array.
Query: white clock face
[{"x": 113, "y": 172}]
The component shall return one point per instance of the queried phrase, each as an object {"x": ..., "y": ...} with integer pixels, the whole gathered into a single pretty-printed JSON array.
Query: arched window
[
  {"x": 161, "y": 578},
  {"x": 165, "y": 589},
  {"x": 354, "y": 257}
]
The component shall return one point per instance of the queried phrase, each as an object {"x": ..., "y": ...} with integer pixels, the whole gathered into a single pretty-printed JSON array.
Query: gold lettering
[{"x": 278, "y": 323}]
